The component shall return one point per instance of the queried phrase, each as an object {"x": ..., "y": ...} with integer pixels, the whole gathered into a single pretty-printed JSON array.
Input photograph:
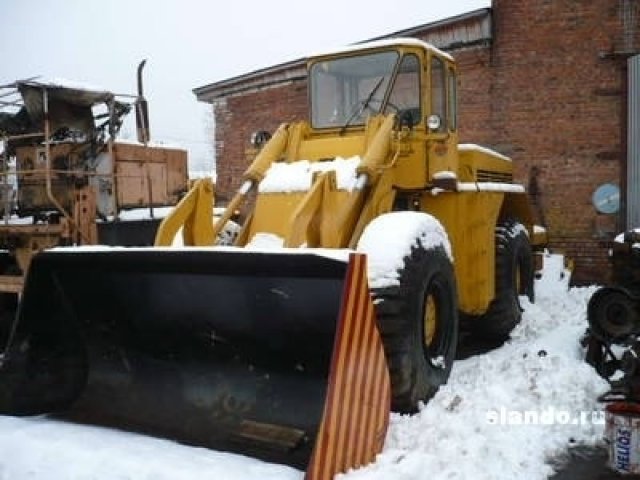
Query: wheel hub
[{"x": 430, "y": 319}]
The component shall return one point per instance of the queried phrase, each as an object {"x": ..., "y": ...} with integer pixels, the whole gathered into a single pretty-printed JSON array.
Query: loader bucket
[{"x": 273, "y": 355}]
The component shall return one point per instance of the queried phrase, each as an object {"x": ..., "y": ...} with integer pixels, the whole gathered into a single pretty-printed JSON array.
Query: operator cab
[{"x": 408, "y": 77}]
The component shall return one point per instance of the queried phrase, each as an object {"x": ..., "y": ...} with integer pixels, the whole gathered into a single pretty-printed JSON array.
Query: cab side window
[
  {"x": 453, "y": 100},
  {"x": 439, "y": 93}
]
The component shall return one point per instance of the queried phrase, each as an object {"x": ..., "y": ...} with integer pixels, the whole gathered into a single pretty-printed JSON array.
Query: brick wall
[
  {"x": 557, "y": 105},
  {"x": 237, "y": 117},
  {"x": 542, "y": 93},
  {"x": 474, "y": 95}
]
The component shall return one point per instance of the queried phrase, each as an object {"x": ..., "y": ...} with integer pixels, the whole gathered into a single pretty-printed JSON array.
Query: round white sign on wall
[{"x": 606, "y": 198}]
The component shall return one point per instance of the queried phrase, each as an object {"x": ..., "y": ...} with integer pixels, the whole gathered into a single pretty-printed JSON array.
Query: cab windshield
[{"x": 345, "y": 91}]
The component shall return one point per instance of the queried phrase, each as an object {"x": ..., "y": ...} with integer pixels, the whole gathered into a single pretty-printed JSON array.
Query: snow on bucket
[{"x": 622, "y": 432}]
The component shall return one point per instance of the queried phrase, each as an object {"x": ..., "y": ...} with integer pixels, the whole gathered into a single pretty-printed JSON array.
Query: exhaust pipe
[{"x": 142, "y": 110}]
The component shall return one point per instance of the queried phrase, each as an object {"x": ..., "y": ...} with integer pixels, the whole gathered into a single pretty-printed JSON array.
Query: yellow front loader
[{"x": 368, "y": 233}]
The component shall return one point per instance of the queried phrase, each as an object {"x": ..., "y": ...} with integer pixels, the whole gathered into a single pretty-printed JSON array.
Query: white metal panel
[{"x": 633, "y": 154}]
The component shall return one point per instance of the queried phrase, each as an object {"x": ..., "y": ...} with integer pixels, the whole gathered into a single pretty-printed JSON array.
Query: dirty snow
[
  {"x": 298, "y": 176},
  {"x": 505, "y": 414}
]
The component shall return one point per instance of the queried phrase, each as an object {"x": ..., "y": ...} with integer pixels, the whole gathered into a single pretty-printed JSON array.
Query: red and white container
[{"x": 622, "y": 433}]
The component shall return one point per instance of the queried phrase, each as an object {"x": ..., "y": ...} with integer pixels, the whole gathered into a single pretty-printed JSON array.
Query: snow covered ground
[
  {"x": 507, "y": 413},
  {"x": 504, "y": 414}
]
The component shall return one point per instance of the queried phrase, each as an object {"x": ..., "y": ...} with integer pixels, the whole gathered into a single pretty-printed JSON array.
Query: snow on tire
[{"x": 413, "y": 285}]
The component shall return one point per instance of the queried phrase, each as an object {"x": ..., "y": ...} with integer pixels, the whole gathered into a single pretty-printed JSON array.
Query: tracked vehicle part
[
  {"x": 613, "y": 314},
  {"x": 275, "y": 355},
  {"x": 612, "y": 341}
]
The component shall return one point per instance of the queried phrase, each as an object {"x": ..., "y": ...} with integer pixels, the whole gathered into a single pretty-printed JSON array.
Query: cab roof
[{"x": 376, "y": 44}]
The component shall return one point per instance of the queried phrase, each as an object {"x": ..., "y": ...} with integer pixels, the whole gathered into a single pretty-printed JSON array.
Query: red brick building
[{"x": 554, "y": 84}]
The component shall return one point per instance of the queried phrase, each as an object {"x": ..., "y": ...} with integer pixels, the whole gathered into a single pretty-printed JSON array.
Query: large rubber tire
[
  {"x": 426, "y": 289},
  {"x": 513, "y": 278}
]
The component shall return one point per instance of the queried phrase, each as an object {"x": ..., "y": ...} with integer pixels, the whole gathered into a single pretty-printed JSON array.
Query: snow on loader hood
[{"x": 298, "y": 176}]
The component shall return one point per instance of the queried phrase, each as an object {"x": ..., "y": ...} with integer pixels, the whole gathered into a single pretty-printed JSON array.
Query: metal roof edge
[
  {"x": 246, "y": 77},
  {"x": 481, "y": 12},
  {"x": 251, "y": 80}
]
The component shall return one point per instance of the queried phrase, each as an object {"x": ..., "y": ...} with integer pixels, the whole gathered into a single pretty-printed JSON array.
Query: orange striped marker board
[{"x": 356, "y": 410}]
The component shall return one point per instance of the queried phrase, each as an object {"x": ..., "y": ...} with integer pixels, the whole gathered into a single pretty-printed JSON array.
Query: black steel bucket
[{"x": 225, "y": 349}]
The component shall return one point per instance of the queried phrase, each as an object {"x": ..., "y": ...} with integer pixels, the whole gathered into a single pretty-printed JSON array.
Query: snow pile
[
  {"x": 46, "y": 449},
  {"x": 555, "y": 276},
  {"x": 388, "y": 239},
  {"x": 298, "y": 176},
  {"x": 505, "y": 414}
]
